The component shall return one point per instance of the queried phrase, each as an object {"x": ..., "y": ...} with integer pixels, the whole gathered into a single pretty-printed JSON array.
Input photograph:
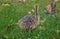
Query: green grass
[{"x": 14, "y": 12}]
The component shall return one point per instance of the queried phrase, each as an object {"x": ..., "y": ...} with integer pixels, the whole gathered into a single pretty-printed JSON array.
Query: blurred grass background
[{"x": 50, "y": 29}]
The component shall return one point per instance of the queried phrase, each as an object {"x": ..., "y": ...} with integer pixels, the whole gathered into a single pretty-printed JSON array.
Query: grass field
[{"x": 9, "y": 16}]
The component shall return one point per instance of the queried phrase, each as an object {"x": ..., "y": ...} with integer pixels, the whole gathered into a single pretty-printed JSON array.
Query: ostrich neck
[
  {"x": 53, "y": 4},
  {"x": 37, "y": 14}
]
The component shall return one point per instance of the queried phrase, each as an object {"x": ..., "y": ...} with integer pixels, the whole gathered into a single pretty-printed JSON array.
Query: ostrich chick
[
  {"x": 51, "y": 6},
  {"x": 29, "y": 21}
]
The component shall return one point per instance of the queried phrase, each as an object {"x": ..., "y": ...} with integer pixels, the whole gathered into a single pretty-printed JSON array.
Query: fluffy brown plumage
[
  {"x": 29, "y": 21},
  {"x": 51, "y": 6}
]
